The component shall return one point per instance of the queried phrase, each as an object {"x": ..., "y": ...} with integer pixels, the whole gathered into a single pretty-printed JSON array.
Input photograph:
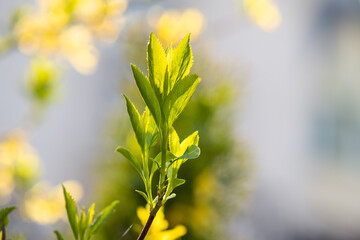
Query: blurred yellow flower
[
  {"x": 18, "y": 161},
  {"x": 68, "y": 29},
  {"x": 160, "y": 224},
  {"x": 173, "y": 25},
  {"x": 264, "y": 13},
  {"x": 42, "y": 79},
  {"x": 103, "y": 17},
  {"x": 44, "y": 204}
]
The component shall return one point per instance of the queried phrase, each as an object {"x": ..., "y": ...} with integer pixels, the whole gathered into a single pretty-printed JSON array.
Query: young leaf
[
  {"x": 143, "y": 195},
  {"x": 151, "y": 132},
  {"x": 181, "y": 61},
  {"x": 101, "y": 218},
  {"x": 136, "y": 122},
  {"x": 177, "y": 182},
  {"x": 179, "y": 97},
  {"x": 90, "y": 214},
  {"x": 192, "y": 139},
  {"x": 157, "y": 65},
  {"x": 58, "y": 235},
  {"x": 131, "y": 158},
  {"x": 174, "y": 142},
  {"x": 71, "y": 213},
  {"x": 82, "y": 224},
  {"x": 191, "y": 152},
  {"x": 5, "y": 212},
  {"x": 147, "y": 93}
]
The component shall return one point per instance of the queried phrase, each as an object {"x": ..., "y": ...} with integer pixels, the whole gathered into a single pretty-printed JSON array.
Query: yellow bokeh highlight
[
  {"x": 160, "y": 224},
  {"x": 44, "y": 204},
  {"x": 103, "y": 18},
  {"x": 18, "y": 161},
  {"x": 172, "y": 25},
  {"x": 69, "y": 28},
  {"x": 264, "y": 13}
]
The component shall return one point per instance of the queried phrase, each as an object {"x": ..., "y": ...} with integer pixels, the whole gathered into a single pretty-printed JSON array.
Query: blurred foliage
[{"x": 215, "y": 181}]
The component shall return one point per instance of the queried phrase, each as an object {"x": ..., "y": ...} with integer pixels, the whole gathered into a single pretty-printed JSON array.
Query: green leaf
[
  {"x": 179, "y": 97},
  {"x": 177, "y": 182},
  {"x": 181, "y": 61},
  {"x": 90, "y": 214},
  {"x": 173, "y": 195},
  {"x": 151, "y": 132},
  {"x": 192, "y": 139},
  {"x": 58, "y": 235},
  {"x": 147, "y": 93},
  {"x": 143, "y": 195},
  {"x": 71, "y": 213},
  {"x": 4, "y": 213},
  {"x": 101, "y": 218},
  {"x": 82, "y": 224},
  {"x": 136, "y": 122},
  {"x": 191, "y": 152},
  {"x": 174, "y": 142},
  {"x": 157, "y": 65},
  {"x": 131, "y": 158}
]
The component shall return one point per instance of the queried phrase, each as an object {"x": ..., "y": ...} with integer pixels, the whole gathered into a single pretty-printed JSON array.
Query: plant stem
[
  {"x": 164, "y": 142},
  {"x": 3, "y": 237},
  {"x": 150, "y": 220}
]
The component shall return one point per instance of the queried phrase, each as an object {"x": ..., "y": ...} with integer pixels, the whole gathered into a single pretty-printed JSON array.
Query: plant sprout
[{"x": 166, "y": 91}]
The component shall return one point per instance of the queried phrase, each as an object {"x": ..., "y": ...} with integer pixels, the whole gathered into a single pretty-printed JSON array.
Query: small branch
[
  {"x": 151, "y": 218},
  {"x": 3, "y": 237}
]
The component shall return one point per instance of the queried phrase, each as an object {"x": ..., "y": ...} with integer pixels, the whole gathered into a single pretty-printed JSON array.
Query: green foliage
[
  {"x": 4, "y": 213},
  {"x": 84, "y": 227},
  {"x": 222, "y": 165},
  {"x": 165, "y": 92}
]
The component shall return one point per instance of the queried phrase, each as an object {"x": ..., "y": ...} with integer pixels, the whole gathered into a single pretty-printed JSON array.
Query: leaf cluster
[
  {"x": 166, "y": 91},
  {"x": 84, "y": 226}
]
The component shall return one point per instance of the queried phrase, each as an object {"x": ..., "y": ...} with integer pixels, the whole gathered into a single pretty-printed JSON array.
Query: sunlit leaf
[
  {"x": 156, "y": 65},
  {"x": 179, "y": 97},
  {"x": 147, "y": 93},
  {"x": 71, "y": 213},
  {"x": 181, "y": 61},
  {"x": 82, "y": 224},
  {"x": 174, "y": 142},
  {"x": 131, "y": 158},
  {"x": 136, "y": 122},
  {"x": 90, "y": 214},
  {"x": 101, "y": 218}
]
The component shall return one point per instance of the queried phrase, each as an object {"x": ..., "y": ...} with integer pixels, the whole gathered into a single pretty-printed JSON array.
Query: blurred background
[{"x": 278, "y": 113}]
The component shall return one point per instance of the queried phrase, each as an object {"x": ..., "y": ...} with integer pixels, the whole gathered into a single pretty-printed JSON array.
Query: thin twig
[
  {"x": 3, "y": 237},
  {"x": 152, "y": 215}
]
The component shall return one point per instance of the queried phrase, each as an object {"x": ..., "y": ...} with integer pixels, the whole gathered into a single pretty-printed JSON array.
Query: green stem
[{"x": 164, "y": 144}]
